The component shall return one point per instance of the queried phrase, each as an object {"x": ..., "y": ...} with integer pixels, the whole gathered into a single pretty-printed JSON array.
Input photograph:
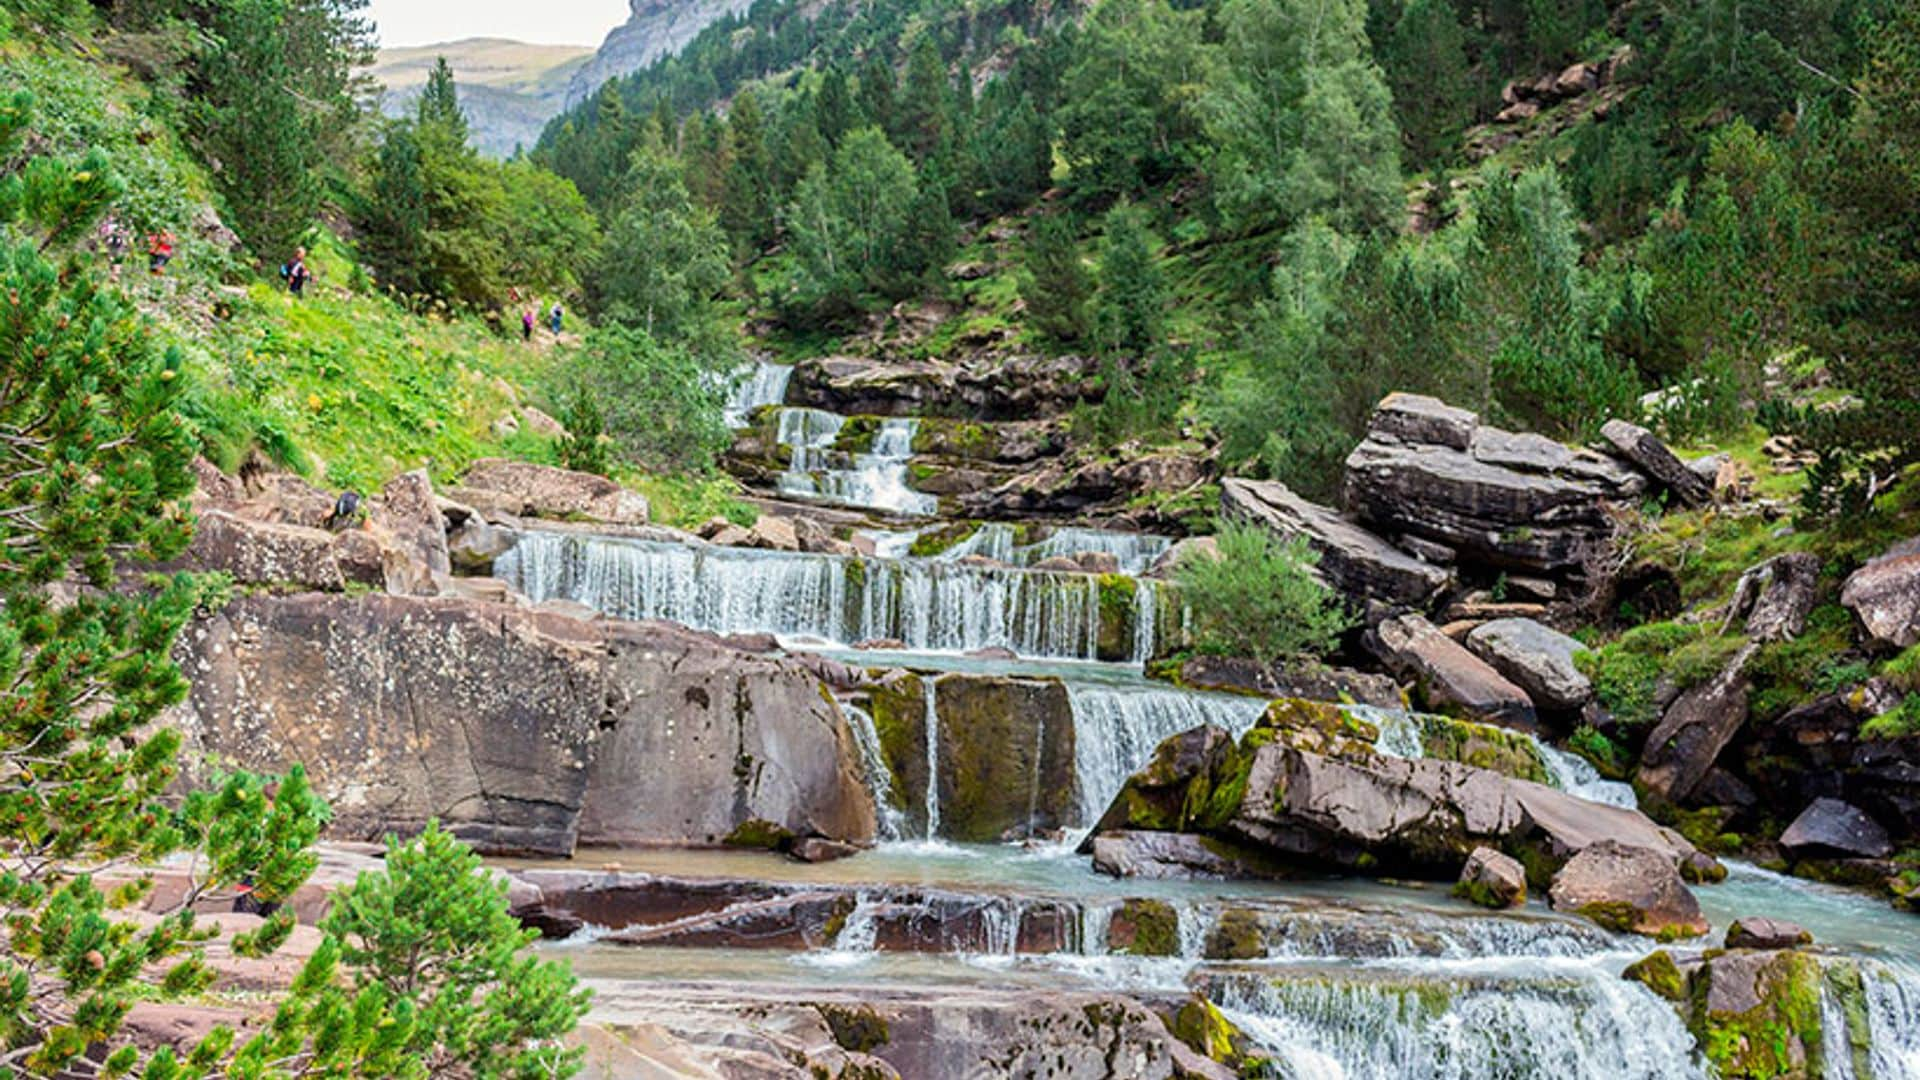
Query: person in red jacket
[{"x": 159, "y": 251}]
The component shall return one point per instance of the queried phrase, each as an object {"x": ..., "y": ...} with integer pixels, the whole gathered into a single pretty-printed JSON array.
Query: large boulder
[
  {"x": 1830, "y": 828},
  {"x": 1644, "y": 449},
  {"x": 1761, "y": 933},
  {"x": 1447, "y": 676},
  {"x": 1885, "y": 594},
  {"x": 1535, "y": 657},
  {"x": 1758, "y": 1013},
  {"x": 262, "y": 553},
  {"x": 1776, "y": 596},
  {"x": 1353, "y": 560},
  {"x": 1629, "y": 890},
  {"x": 531, "y": 490},
  {"x": 1693, "y": 732},
  {"x": 522, "y": 730},
  {"x": 1503, "y": 500},
  {"x": 408, "y": 519}
]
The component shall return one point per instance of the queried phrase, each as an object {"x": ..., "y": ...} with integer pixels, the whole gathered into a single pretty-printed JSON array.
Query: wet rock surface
[
  {"x": 1627, "y": 889},
  {"x": 1449, "y": 677}
]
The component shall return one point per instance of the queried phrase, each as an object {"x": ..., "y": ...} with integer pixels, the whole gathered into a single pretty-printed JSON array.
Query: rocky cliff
[{"x": 656, "y": 28}]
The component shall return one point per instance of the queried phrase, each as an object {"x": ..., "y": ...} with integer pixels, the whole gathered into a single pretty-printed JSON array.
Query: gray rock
[
  {"x": 474, "y": 544},
  {"x": 262, "y": 553},
  {"x": 1164, "y": 856},
  {"x": 1417, "y": 418},
  {"x": 1885, "y": 594},
  {"x": 522, "y": 730},
  {"x": 1192, "y": 547},
  {"x": 1506, "y": 500},
  {"x": 1830, "y": 828},
  {"x": 654, "y": 29},
  {"x": 1694, "y": 730},
  {"x": 1448, "y": 676},
  {"x": 1492, "y": 879},
  {"x": 1536, "y": 658},
  {"x": 1352, "y": 559},
  {"x": 1776, "y": 596},
  {"x": 1627, "y": 889},
  {"x": 409, "y": 518},
  {"x": 1750, "y": 933},
  {"x": 1644, "y": 448}
]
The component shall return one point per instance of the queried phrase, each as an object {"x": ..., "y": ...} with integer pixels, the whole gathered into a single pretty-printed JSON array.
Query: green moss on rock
[
  {"x": 1236, "y": 935},
  {"x": 759, "y": 833},
  {"x": 1119, "y": 595},
  {"x": 1779, "y": 1036},
  {"x": 1658, "y": 973},
  {"x": 1144, "y": 927},
  {"x": 856, "y": 1028}
]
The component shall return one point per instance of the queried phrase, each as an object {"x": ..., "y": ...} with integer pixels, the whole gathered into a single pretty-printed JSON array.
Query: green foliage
[
  {"x": 1627, "y": 674},
  {"x": 1299, "y": 119},
  {"x": 661, "y": 405},
  {"x": 431, "y": 935},
  {"x": 1130, "y": 309},
  {"x": 665, "y": 260},
  {"x": 1425, "y": 59},
  {"x": 1126, "y": 117},
  {"x": 1056, "y": 287},
  {"x": 585, "y": 447},
  {"x": 1260, "y": 598},
  {"x": 850, "y": 226}
]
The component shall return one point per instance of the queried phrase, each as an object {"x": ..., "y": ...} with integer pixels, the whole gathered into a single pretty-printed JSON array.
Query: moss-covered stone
[
  {"x": 1778, "y": 1032},
  {"x": 1236, "y": 935},
  {"x": 1317, "y": 727},
  {"x": 1119, "y": 595},
  {"x": 856, "y": 1028},
  {"x": 1483, "y": 746},
  {"x": 1145, "y": 927},
  {"x": 939, "y": 538},
  {"x": 759, "y": 833},
  {"x": 857, "y": 433},
  {"x": 1207, "y": 1031},
  {"x": 898, "y": 707},
  {"x": 1658, "y": 973}
]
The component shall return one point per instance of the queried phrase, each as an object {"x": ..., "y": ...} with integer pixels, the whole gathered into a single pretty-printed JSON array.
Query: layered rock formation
[{"x": 523, "y": 731}]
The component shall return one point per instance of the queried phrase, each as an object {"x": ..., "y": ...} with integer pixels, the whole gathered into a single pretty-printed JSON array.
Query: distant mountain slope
[
  {"x": 509, "y": 88},
  {"x": 656, "y": 28}
]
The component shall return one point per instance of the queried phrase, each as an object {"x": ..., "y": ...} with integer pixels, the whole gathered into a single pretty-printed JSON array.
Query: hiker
[
  {"x": 526, "y": 326},
  {"x": 296, "y": 273},
  {"x": 553, "y": 318},
  {"x": 346, "y": 511},
  {"x": 159, "y": 251},
  {"x": 113, "y": 236}
]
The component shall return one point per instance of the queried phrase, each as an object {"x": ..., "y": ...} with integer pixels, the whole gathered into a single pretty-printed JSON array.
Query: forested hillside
[{"x": 1265, "y": 213}]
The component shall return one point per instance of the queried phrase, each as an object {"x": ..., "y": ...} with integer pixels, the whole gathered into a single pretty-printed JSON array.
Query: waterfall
[
  {"x": 1146, "y": 617},
  {"x": 876, "y": 479},
  {"x": 928, "y": 604},
  {"x": 1135, "y": 552},
  {"x": 1403, "y": 734},
  {"x": 931, "y": 722},
  {"x": 1117, "y": 728},
  {"x": 1893, "y": 1017},
  {"x": 873, "y": 769},
  {"x": 752, "y": 386},
  {"x": 1587, "y": 1024},
  {"x": 1836, "y": 1050}
]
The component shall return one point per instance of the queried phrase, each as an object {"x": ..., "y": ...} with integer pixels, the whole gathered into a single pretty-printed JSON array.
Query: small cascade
[
  {"x": 1146, "y": 619},
  {"x": 752, "y": 386},
  {"x": 876, "y": 479},
  {"x": 1117, "y": 728},
  {"x": 1893, "y": 1018},
  {"x": 1096, "y": 920},
  {"x": 928, "y": 604},
  {"x": 1135, "y": 552},
  {"x": 873, "y": 769},
  {"x": 890, "y": 543},
  {"x": 1402, "y": 734},
  {"x": 1580, "y": 1023},
  {"x": 1836, "y": 1050},
  {"x": 931, "y": 722}
]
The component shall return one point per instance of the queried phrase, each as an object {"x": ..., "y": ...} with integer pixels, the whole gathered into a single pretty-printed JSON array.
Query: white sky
[{"x": 543, "y": 22}]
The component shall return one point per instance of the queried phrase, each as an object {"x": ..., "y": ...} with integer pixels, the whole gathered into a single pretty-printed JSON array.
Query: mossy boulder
[
  {"x": 1757, "y": 1014},
  {"x": 897, "y": 704},
  {"x": 1193, "y": 783},
  {"x": 1236, "y": 935},
  {"x": 1483, "y": 746},
  {"x": 1005, "y": 756},
  {"x": 858, "y": 1028},
  {"x": 1144, "y": 927},
  {"x": 1206, "y": 1030},
  {"x": 1657, "y": 972},
  {"x": 759, "y": 833},
  {"x": 1119, "y": 600},
  {"x": 1318, "y": 727}
]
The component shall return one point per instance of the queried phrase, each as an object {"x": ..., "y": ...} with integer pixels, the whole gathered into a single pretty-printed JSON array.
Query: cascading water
[
  {"x": 1135, "y": 552},
  {"x": 876, "y": 479},
  {"x": 928, "y": 604},
  {"x": 1116, "y": 728},
  {"x": 1570, "y": 1021},
  {"x": 873, "y": 769},
  {"x": 1893, "y": 1019},
  {"x": 1402, "y": 734},
  {"x": 752, "y": 386},
  {"x": 931, "y": 722}
]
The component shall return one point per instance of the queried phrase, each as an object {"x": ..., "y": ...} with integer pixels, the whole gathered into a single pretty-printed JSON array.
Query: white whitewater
[
  {"x": 1893, "y": 1018},
  {"x": 1135, "y": 552},
  {"x": 928, "y": 604},
  {"x": 752, "y": 386},
  {"x": 1116, "y": 728},
  {"x": 1401, "y": 735},
  {"x": 873, "y": 480},
  {"x": 873, "y": 769},
  {"x": 931, "y": 722},
  {"x": 1569, "y": 1021}
]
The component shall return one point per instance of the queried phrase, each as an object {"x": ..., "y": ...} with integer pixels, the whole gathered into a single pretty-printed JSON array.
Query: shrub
[
  {"x": 659, "y": 404},
  {"x": 1627, "y": 673},
  {"x": 1260, "y": 598}
]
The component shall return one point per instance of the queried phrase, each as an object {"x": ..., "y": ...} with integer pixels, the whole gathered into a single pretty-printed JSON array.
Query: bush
[
  {"x": 1628, "y": 673},
  {"x": 659, "y": 404},
  {"x": 1260, "y": 598}
]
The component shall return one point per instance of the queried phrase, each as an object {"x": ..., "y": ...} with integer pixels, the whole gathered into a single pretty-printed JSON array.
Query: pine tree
[
  {"x": 98, "y": 466},
  {"x": 746, "y": 206},
  {"x": 833, "y": 106},
  {"x": 393, "y": 223},
  {"x": 1057, "y": 288},
  {"x": 439, "y": 104},
  {"x": 1131, "y": 311},
  {"x": 877, "y": 87},
  {"x": 923, "y": 121},
  {"x": 1426, "y": 65}
]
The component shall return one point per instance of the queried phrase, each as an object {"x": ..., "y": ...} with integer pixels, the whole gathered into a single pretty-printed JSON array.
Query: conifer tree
[
  {"x": 744, "y": 210},
  {"x": 1131, "y": 311},
  {"x": 1057, "y": 288},
  {"x": 923, "y": 121},
  {"x": 439, "y": 104}
]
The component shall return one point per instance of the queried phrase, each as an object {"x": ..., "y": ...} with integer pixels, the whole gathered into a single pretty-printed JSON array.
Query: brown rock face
[
  {"x": 263, "y": 553},
  {"x": 1448, "y": 676},
  {"x": 523, "y": 731},
  {"x": 1885, "y": 594},
  {"x": 1695, "y": 729},
  {"x": 545, "y": 491},
  {"x": 1627, "y": 889}
]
